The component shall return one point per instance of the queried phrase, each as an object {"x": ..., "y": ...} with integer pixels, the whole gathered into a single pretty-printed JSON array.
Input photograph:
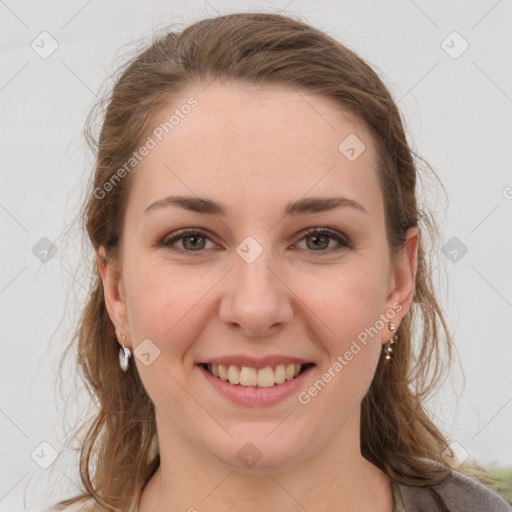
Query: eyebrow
[{"x": 300, "y": 207}]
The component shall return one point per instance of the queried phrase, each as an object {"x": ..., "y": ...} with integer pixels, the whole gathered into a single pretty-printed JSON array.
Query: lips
[
  {"x": 259, "y": 385},
  {"x": 261, "y": 373},
  {"x": 253, "y": 362}
]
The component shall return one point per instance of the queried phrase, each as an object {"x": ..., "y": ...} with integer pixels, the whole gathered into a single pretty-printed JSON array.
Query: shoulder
[{"x": 459, "y": 493}]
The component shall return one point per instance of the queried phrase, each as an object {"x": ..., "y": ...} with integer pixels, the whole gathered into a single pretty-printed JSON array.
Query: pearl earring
[{"x": 125, "y": 353}]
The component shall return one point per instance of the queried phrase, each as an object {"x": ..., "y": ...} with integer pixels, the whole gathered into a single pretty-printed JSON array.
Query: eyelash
[{"x": 343, "y": 241}]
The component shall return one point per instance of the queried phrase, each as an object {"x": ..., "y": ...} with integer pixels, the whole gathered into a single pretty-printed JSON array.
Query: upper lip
[{"x": 255, "y": 362}]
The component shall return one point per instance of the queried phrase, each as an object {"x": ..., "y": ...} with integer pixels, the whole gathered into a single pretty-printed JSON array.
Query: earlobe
[{"x": 113, "y": 291}]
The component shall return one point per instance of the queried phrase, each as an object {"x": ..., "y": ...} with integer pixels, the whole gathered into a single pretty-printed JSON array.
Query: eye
[
  {"x": 189, "y": 240},
  {"x": 322, "y": 237}
]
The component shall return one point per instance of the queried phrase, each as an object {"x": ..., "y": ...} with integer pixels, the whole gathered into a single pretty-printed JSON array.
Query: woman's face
[{"x": 247, "y": 285}]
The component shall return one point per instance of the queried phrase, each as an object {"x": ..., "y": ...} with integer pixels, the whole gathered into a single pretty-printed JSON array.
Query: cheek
[
  {"x": 347, "y": 301},
  {"x": 164, "y": 307},
  {"x": 160, "y": 301},
  {"x": 166, "y": 304},
  {"x": 171, "y": 303},
  {"x": 349, "y": 306}
]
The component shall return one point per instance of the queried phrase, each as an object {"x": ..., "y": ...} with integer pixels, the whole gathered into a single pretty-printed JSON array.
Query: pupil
[
  {"x": 316, "y": 238},
  {"x": 194, "y": 239}
]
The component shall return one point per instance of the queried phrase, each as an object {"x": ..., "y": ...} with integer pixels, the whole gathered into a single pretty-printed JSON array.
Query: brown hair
[{"x": 120, "y": 450}]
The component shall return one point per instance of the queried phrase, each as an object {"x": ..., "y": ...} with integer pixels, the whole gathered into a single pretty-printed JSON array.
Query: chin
[{"x": 257, "y": 448}]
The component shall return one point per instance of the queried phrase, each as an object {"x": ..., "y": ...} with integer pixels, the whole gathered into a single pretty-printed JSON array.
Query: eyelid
[
  {"x": 343, "y": 241},
  {"x": 175, "y": 236}
]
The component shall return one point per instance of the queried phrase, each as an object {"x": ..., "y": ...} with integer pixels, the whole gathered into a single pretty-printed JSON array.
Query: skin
[{"x": 254, "y": 149}]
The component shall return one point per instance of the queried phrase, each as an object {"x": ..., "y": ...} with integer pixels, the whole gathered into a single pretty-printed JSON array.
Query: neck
[{"x": 336, "y": 478}]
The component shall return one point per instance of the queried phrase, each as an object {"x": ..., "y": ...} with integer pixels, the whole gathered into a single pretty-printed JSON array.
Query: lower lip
[{"x": 253, "y": 396}]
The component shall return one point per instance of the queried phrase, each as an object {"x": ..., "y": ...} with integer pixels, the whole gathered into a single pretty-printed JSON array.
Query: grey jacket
[{"x": 459, "y": 493}]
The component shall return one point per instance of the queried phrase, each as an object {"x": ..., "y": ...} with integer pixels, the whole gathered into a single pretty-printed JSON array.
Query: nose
[{"x": 256, "y": 299}]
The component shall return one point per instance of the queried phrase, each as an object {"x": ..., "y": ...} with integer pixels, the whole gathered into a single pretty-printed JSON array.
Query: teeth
[
  {"x": 223, "y": 374},
  {"x": 248, "y": 376},
  {"x": 234, "y": 374},
  {"x": 289, "y": 371},
  {"x": 280, "y": 374},
  {"x": 263, "y": 377}
]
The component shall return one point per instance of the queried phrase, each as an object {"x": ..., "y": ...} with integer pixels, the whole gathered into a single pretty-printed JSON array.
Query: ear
[
  {"x": 403, "y": 277},
  {"x": 114, "y": 293}
]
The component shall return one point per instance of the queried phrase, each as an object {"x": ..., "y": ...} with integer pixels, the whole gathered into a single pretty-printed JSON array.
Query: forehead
[{"x": 256, "y": 145}]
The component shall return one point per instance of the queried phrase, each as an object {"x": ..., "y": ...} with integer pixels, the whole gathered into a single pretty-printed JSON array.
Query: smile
[{"x": 247, "y": 376}]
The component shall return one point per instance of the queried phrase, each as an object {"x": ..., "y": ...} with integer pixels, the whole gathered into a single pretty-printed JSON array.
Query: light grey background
[{"x": 458, "y": 116}]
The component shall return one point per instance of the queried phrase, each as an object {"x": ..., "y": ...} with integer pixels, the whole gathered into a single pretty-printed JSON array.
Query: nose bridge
[
  {"x": 255, "y": 299},
  {"x": 253, "y": 276}
]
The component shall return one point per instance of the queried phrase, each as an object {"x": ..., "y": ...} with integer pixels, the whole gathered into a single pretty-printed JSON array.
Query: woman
[{"x": 263, "y": 326}]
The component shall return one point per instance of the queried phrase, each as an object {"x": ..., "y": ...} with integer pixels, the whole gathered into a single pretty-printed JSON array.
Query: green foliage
[{"x": 496, "y": 478}]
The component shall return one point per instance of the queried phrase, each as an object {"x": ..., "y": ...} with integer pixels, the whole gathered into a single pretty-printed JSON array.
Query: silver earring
[
  {"x": 388, "y": 349},
  {"x": 125, "y": 354}
]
